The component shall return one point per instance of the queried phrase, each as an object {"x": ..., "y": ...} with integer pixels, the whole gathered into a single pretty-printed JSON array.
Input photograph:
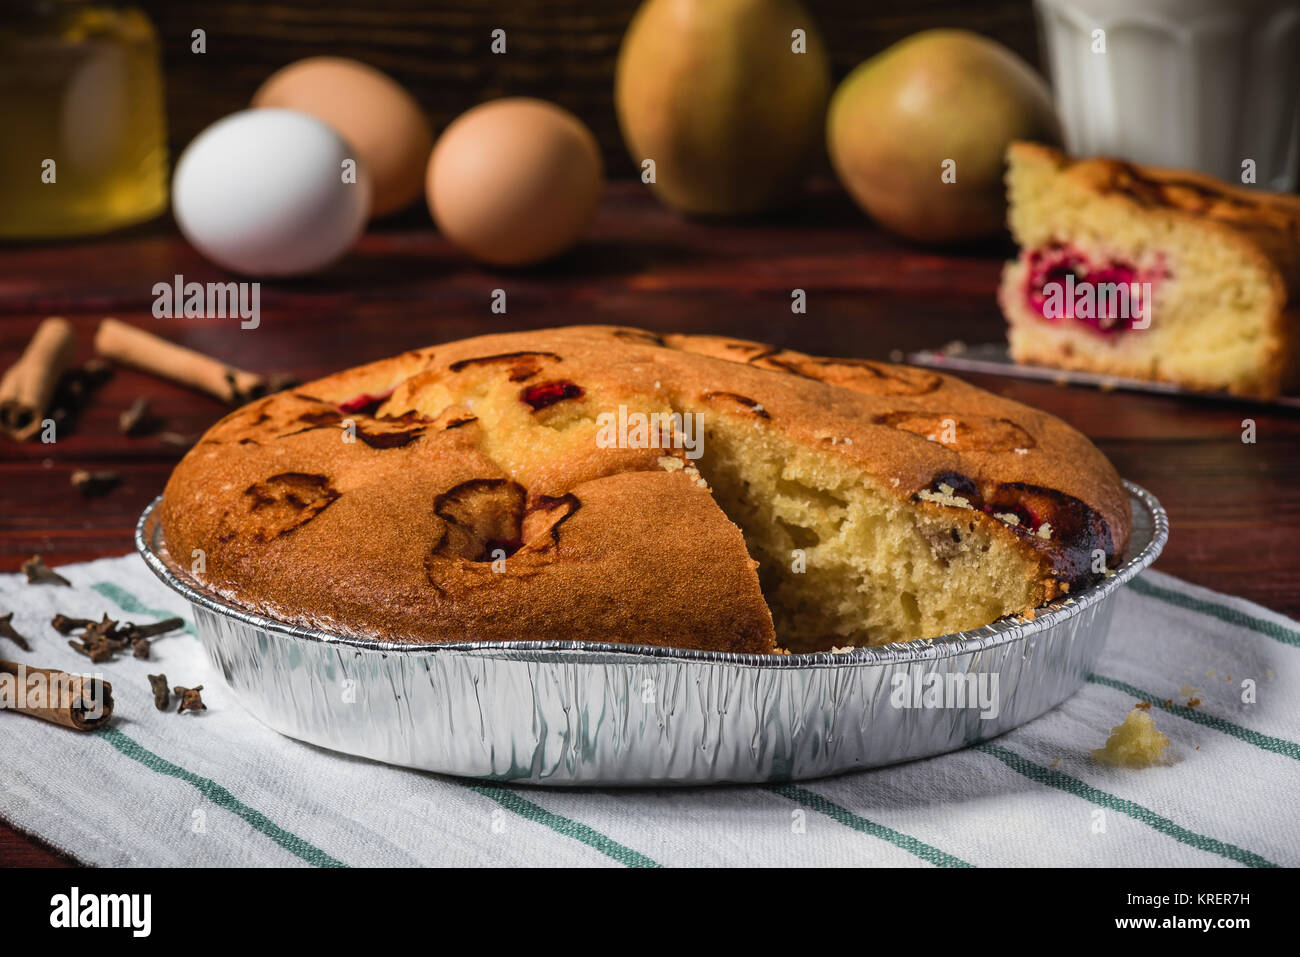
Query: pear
[
  {"x": 917, "y": 133},
  {"x": 726, "y": 97}
]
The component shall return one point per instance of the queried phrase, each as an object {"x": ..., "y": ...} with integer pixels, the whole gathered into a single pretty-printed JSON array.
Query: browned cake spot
[
  {"x": 767, "y": 359},
  {"x": 1185, "y": 194},
  {"x": 860, "y": 375},
  {"x": 639, "y": 335},
  {"x": 964, "y": 433},
  {"x": 750, "y": 405},
  {"x": 519, "y": 362},
  {"x": 1061, "y": 526},
  {"x": 477, "y": 513},
  {"x": 546, "y": 516},
  {"x": 322, "y": 417},
  {"x": 286, "y": 501},
  {"x": 393, "y": 439},
  {"x": 309, "y": 421}
]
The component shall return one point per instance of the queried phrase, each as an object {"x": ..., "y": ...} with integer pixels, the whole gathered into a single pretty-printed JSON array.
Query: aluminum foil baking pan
[{"x": 573, "y": 713}]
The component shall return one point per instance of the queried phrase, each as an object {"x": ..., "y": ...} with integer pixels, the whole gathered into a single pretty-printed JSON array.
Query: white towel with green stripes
[{"x": 157, "y": 788}]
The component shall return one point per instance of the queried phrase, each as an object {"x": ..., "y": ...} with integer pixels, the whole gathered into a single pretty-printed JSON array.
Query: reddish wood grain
[{"x": 1234, "y": 509}]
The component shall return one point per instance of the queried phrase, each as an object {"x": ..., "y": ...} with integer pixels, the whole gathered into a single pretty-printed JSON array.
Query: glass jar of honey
[{"x": 83, "y": 141}]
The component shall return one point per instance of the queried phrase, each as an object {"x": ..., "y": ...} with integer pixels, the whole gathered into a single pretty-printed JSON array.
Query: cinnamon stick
[
  {"x": 74, "y": 701},
  {"x": 29, "y": 384},
  {"x": 144, "y": 351}
]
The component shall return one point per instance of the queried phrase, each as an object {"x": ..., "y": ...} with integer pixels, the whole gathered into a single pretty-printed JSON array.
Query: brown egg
[
  {"x": 370, "y": 110},
  {"x": 514, "y": 181}
]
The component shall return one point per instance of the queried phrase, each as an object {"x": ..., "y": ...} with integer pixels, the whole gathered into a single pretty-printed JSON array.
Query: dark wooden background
[{"x": 563, "y": 50}]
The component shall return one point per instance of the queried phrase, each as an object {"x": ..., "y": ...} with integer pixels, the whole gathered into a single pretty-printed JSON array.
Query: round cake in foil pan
[{"x": 579, "y": 713}]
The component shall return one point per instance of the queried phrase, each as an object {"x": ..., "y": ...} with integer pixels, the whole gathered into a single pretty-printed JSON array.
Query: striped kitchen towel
[{"x": 1222, "y": 677}]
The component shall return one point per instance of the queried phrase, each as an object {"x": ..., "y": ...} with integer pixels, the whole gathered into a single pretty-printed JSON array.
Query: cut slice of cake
[{"x": 1151, "y": 273}]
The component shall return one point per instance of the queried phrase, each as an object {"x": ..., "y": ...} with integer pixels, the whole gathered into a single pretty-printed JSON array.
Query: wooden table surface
[{"x": 1233, "y": 506}]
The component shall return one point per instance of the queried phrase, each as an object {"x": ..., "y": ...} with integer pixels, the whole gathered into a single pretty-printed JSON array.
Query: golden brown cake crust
[
  {"x": 391, "y": 533},
  {"x": 1270, "y": 220}
]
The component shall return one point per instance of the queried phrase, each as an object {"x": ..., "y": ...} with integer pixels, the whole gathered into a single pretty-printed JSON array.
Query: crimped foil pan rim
[{"x": 925, "y": 649}]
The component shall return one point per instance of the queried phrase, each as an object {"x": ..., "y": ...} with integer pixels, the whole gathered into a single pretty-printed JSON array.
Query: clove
[
  {"x": 161, "y": 694},
  {"x": 190, "y": 699},
  {"x": 38, "y": 573},
  {"x": 93, "y": 484},
  {"x": 66, "y": 626},
  {"x": 138, "y": 419},
  {"x": 7, "y": 631},
  {"x": 176, "y": 440},
  {"x": 102, "y": 640}
]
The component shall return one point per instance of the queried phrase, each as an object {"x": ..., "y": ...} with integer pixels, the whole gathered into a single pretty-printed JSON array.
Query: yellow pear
[
  {"x": 917, "y": 133},
  {"x": 725, "y": 98}
]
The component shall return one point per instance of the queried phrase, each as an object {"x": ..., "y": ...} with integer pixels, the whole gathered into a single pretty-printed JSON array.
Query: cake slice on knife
[{"x": 1149, "y": 273}]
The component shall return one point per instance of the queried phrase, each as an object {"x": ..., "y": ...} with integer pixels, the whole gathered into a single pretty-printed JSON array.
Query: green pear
[
  {"x": 917, "y": 133},
  {"x": 726, "y": 97}
]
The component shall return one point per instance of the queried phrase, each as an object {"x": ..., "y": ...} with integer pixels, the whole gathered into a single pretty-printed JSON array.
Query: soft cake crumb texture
[{"x": 1133, "y": 744}]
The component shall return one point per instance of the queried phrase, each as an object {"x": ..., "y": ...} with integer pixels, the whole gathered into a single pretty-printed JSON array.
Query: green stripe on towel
[
  {"x": 1063, "y": 782},
  {"x": 1223, "y": 613},
  {"x": 815, "y": 802},
  {"x": 221, "y": 797},
  {"x": 512, "y": 801}
]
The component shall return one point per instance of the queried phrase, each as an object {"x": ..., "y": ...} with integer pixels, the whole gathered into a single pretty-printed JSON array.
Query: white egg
[{"x": 270, "y": 193}]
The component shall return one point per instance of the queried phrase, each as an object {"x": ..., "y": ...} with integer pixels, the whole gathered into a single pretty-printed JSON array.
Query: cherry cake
[
  {"x": 1150, "y": 273},
  {"x": 469, "y": 491}
]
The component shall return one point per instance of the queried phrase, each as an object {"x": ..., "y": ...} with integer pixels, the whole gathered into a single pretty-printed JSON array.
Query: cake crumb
[
  {"x": 844, "y": 650},
  {"x": 1045, "y": 530},
  {"x": 1055, "y": 762},
  {"x": 1021, "y": 451},
  {"x": 945, "y": 496},
  {"x": 1144, "y": 705},
  {"x": 1210, "y": 673},
  {"x": 1193, "y": 702},
  {"x": 670, "y": 464},
  {"x": 1133, "y": 744},
  {"x": 691, "y": 472}
]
